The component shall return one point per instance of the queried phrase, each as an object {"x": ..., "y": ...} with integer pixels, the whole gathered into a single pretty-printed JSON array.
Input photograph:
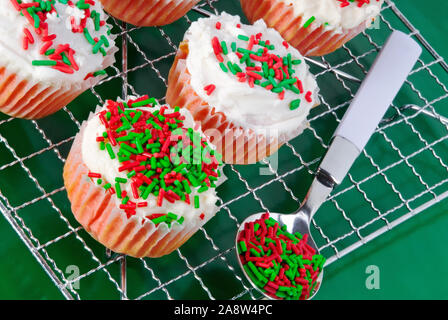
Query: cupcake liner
[
  {"x": 22, "y": 96},
  {"x": 96, "y": 210},
  {"x": 25, "y": 98},
  {"x": 148, "y": 12},
  {"x": 236, "y": 144},
  {"x": 311, "y": 41}
]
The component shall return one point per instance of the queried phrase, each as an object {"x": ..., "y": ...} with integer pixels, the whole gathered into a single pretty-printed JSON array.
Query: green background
[{"x": 411, "y": 258}]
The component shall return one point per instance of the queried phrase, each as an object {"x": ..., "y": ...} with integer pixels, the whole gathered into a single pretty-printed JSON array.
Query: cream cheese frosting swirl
[
  {"x": 62, "y": 36},
  {"x": 253, "y": 105},
  {"x": 336, "y": 14}
]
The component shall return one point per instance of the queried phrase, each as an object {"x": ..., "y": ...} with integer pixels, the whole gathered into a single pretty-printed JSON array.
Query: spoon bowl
[{"x": 297, "y": 222}]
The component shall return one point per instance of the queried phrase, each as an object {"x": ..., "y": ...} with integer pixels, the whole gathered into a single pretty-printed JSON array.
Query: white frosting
[
  {"x": 12, "y": 54},
  {"x": 255, "y": 108},
  {"x": 335, "y": 17},
  {"x": 98, "y": 161}
]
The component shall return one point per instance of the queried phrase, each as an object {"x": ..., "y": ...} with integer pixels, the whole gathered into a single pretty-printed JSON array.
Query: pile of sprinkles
[
  {"x": 60, "y": 57},
  {"x": 159, "y": 155},
  {"x": 279, "y": 263},
  {"x": 343, "y": 4},
  {"x": 259, "y": 66}
]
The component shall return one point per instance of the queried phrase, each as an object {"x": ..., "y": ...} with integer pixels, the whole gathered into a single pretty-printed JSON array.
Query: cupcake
[
  {"x": 250, "y": 90},
  {"x": 315, "y": 27},
  {"x": 148, "y": 12},
  {"x": 50, "y": 52},
  {"x": 141, "y": 177}
]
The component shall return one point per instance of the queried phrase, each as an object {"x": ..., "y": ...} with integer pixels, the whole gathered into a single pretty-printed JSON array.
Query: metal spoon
[{"x": 374, "y": 96}]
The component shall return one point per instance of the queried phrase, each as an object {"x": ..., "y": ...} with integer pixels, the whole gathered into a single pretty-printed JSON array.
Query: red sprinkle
[
  {"x": 308, "y": 96},
  {"x": 94, "y": 175},
  {"x": 209, "y": 89}
]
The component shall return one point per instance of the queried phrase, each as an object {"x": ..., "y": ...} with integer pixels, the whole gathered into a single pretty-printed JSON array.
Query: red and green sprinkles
[
  {"x": 60, "y": 57},
  {"x": 280, "y": 264},
  {"x": 359, "y": 3},
  {"x": 260, "y": 66},
  {"x": 167, "y": 218},
  {"x": 157, "y": 154},
  {"x": 343, "y": 4}
]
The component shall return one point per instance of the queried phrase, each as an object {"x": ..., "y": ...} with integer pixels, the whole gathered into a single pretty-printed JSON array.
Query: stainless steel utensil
[{"x": 373, "y": 98}]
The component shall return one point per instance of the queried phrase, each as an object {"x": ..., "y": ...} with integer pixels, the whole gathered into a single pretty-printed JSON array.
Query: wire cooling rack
[{"x": 401, "y": 172}]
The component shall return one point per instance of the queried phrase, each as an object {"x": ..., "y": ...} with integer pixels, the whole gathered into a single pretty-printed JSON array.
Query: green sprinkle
[
  {"x": 118, "y": 190},
  {"x": 159, "y": 219},
  {"x": 99, "y": 73},
  {"x": 309, "y": 21},
  {"x": 125, "y": 200},
  {"x": 196, "y": 202},
  {"x": 43, "y": 63},
  {"x": 294, "y": 104},
  {"x": 146, "y": 102},
  {"x": 110, "y": 151},
  {"x": 243, "y": 37},
  {"x": 224, "y": 47},
  {"x": 88, "y": 37},
  {"x": 202, "y": 189},
  {"x": 233, "y": 46},
  {"x": 223, "y": 67},
  {"x": 50, "y": 52},
  {"x": 243, "y": 246}
]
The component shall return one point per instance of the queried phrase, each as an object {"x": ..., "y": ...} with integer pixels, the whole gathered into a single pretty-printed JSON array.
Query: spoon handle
[
  {"x": 379, "y": 88},
  {"x": 375, "y": 95},
  {"x": 368, "y": 107}
]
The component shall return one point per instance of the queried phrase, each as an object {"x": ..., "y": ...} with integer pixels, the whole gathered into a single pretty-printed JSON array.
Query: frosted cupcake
[
  {"x": 140, "y": 179},
  {"x": 148, "y": 12},
  {"x": 247, "y": 87},
  {"x": 50, "y": 52},
  {"x": 314, "y": 27}
]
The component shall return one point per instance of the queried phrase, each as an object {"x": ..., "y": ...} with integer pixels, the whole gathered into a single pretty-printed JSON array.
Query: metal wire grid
[{"x": 333, "y": 244}]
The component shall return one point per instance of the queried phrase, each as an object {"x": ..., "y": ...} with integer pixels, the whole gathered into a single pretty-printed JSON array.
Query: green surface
[
  {"x": 412, "y": 259},
  {"x": 408, "y": 257}
]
